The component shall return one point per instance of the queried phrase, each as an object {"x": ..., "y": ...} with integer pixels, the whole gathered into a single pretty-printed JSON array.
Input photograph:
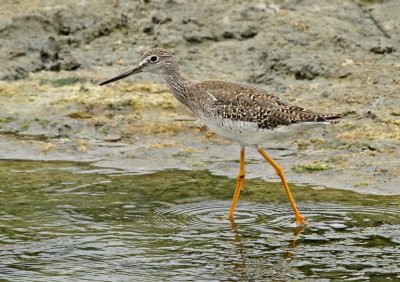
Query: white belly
[{"x": 248, "y": 133}]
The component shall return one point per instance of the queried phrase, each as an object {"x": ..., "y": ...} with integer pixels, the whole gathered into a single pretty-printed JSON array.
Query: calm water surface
[{"x": 74, "y": 222}]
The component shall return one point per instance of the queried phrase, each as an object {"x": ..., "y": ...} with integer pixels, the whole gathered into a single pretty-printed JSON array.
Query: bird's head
[{"x": 155, "y": 60}]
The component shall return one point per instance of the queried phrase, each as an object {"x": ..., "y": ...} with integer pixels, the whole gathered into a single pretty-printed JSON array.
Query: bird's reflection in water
[
  {"x": 240, "y": 264},
  {"x": 241, "y": 249},
  {"x": 292, "y": 243}
]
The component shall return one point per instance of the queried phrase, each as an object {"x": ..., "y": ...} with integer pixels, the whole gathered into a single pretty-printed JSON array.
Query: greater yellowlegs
[{"x": 242, "y": 113}]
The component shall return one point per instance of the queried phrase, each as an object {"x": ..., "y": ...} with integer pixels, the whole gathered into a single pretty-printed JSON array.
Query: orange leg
[
  {"x": 239, "y": 184},
  {"x": 299, "y": 218}
]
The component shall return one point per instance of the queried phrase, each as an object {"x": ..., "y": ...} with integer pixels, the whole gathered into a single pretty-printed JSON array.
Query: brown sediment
[{"x": 337, "y": 58}]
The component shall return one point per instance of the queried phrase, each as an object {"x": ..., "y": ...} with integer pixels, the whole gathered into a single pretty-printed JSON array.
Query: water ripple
[
  {"x": 69, "y": 226},
  {"x": 214, "y": 212}
]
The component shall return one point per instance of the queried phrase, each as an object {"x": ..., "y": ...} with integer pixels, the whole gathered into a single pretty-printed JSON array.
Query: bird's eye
[{"x": 153, "y": 59}]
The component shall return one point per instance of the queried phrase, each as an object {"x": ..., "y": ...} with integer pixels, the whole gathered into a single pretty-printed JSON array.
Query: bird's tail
[
  {"x": 306, "y": 116},
  {"x": 332, "y": 116}
]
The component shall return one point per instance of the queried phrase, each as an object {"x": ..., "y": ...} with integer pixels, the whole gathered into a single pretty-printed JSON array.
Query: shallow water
[{"x": 74, "y": 222}]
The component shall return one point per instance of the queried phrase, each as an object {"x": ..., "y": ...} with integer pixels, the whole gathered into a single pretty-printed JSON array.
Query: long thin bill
[{"x": 121, "y": 76}]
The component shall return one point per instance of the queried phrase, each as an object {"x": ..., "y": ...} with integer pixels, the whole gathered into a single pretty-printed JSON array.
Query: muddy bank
[{"x": 324, "y": 55}]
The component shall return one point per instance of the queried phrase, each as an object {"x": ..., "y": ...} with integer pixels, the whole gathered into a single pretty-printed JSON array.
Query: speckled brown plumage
[{"x": 239, "y": 102}]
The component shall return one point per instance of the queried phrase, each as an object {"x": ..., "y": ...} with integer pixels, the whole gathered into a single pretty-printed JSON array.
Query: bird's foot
[{"x": 301, "y": 221}]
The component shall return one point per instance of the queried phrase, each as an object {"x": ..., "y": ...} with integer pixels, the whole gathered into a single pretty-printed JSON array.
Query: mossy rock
[
  {"x": 61, "y": 81},
  {"x": 304, "y": 168}
]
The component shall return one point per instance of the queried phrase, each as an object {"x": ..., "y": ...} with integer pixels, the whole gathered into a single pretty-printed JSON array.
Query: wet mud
[{"x": 328, "y": 56}]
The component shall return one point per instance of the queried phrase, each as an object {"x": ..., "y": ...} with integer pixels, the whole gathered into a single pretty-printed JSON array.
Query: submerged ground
[{"x": 74, "y": 222}]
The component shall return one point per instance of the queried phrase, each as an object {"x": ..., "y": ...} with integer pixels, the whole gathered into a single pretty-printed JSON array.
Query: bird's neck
[{"x": 178, "y": 84}]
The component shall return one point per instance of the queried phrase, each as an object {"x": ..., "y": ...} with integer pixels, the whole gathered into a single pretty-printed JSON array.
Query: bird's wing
[{"x": 247, "y": 103}]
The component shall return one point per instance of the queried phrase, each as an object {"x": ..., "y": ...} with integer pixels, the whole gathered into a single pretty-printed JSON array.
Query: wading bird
[{"x": 245, "y": 114}]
